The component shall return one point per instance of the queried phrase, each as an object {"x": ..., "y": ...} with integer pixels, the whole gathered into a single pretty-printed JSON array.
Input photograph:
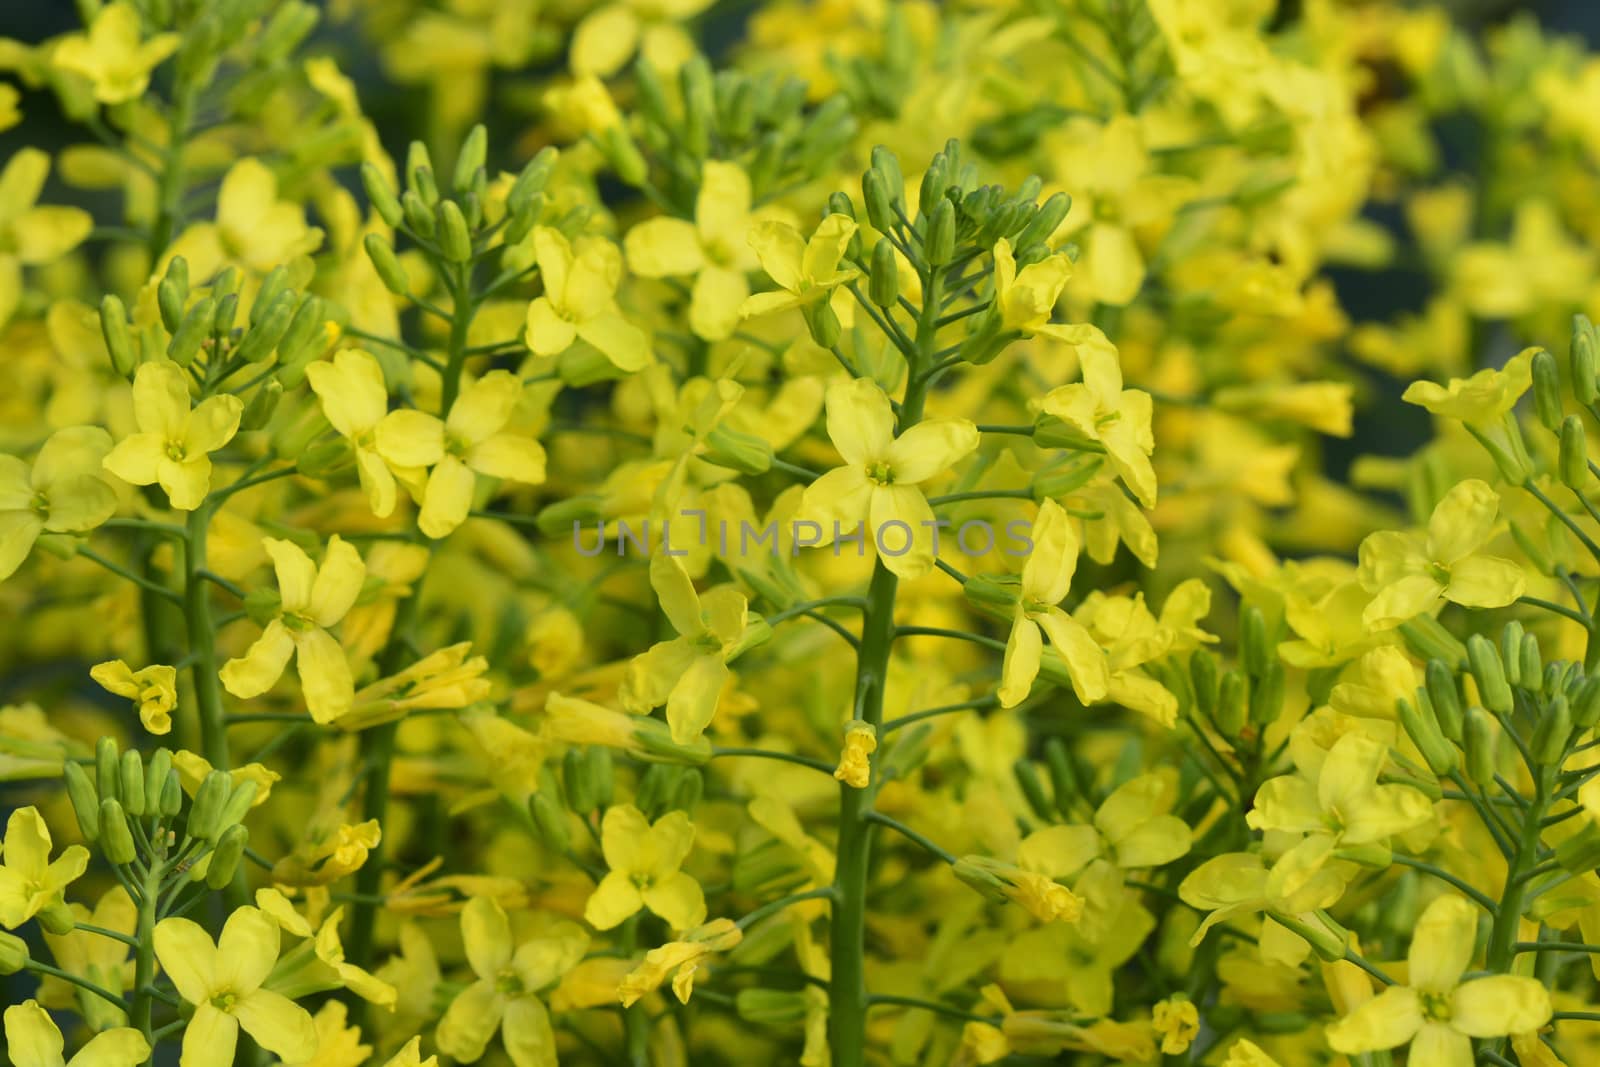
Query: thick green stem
[
  {"x": 1508, "y": 916},
  {"x": 170, "y": 189},
  {"x": 144, "y": 960},
  {"x": 202, "y": 643},
  {"x": 847, "y": 990}
]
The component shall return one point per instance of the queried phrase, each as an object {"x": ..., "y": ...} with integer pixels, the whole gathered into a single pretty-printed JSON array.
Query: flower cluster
[{"x": 802, "y": 532}]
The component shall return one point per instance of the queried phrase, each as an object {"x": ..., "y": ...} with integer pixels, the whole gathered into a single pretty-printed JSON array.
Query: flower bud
[
  {"x": 1045, "y": 221},
  {"x": 1255, "y": 650},
  {"x": 576, "y": 783},
  {"x": 419, "y": 173},
  {"x": 1586, "y": 704},
  {"x": 114, "y": 328},
  {"x": 116, "y": 840},
  {"x": 227, "y": 311},
  {"x": 1585, "y": 383},
  {"x": 699, "y": 105},
  {"x": 1064, "y": 781},
  {"x": 875, "y": 193},
  {"x": 156, "y": 769},
  {"x": 1479, "y": 745},
  {"x": 224, "y": 860},
  {"x": 1573, "y": 462},
  {"x": 1428, "y": 638},
  {"x": 325, "y": 459},
  {"x": 384, "y": 261},
  {"x": 823, "y": 323},
  {"x": 1233, "y": 702},
  {"x": 1203, "y": 680},
  {"x": 172, "y": 293},
  {"x": 1547, "y": 390},
  {"x": 771, "y": 1007},
  {"x": 473, "y": 155},
  {"x": 1532, "y": 668},
  {"x": 1580, "y": 853},
  {"x": 455, "y": 241},
  {"x": 1266, "y": 695},
  {"x": 380, "y": 195},
  {"x": 240, "y": 799},
  {"x": 205, "y": 812},
  {"x": 1033, "y": 789},
  {"x": 939, "y": 243},
  {"x": 107, "y": 769},
  {"x": 417, "y": 214},
  {"x": 1511, "y": 651},
  {"x": 884, "y": 284},
  {"x": 13, "y": 953},
  {"x": 1444, "y": 698},
  {"x": 1440, "y": 755},
  {"x": 531, "y": 181},
  {"x": 85, "y": 801},
  {"x": 191, "y": 332},
  {"x": 687, "y": 791},
  {"x": 56, "y": 919},
  {"x": 264, "y": 336},
  {"x": 1489, "y": 674},
  {"x": 171, "y": 796},
  {"x": 551, "y": 821},
  {"x": 263, "y": 403},
  {"x": 743, "y": 452},
  {"x": 133, "y": 799},
  {"x": 1552, "y": 732}
]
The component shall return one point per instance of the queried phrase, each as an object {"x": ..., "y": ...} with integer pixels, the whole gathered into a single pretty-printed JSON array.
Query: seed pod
[
  {"x": 1033, "y": 789},
  {"x": 1445, "y": 699},
  {"x": 224, "y": 861},
  {"x": 1440, "y": 755},
  {"x": 133, "y": 799},
  {"x": 551, "y": 821},
  {"x": 1063, "y": 776},
  {"x": 1479, "y": 745},
  {"x": 85, "y": 801},
  {"x": 1511, "y": 652},
  {"x": 575, "y": 779},
  {"x": 1233, "y": 703},
  {"x": 884, "y": 284},
  {"x": 1203, "y": 679},
  {"x": 119, "y": 341},
  {"x": 875, "y": 193},
  {"x": 1551, "y": 733},
  {"x": 380, "y": 195},
  {"x": 116, "y": 840},
  {"x": 1547, "y": 390},
  {"x": 192, "y": 331},
  {"x": 1573, "y": 463},
  {"x": 384, "y": 261},
  {"x": 171, "y": 796},
  {"x": 1490, "y": 674},
  {"x": 1266, "y": 696},
  {"x": 259, "y": 342},
  {"x": 205, "y": 813},
  {"x": 1255, "y": 651},
  {"x": 107, "y": 768},
  {"x": 474, "y": 153},
  {"x": 939, "y": 245}
]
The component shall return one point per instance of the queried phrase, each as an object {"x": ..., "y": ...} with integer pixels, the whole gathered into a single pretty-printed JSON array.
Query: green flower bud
[
  {"x": 1203, "y": 679},
  {"x": 1580, "y": 853},
  {"x": 133, "y": 799},
  {"x": 85, "y": 800},
  {"x": 687, "y": 791},
  {"x": 1064, "y": 781},
  {"x": 1444, "y": 698},
  {"x": 156, "y": 769},
  {"x": 325, "y": 459},
  {"x": 285, "y": 30},
  {"x": 13, "y": 953},
  {"x": 473, "y": 155},
  {"x": 1233, "y": 703},
  {"x": 1547, "y": 390},
  {"x": 56, "y": 918},
  {"x": 875, "y": 194},
  {"x": 1478, "y": 743},
  {"x": 1045, "y": 221},
  {"x": 551, "y": 821},
  {"x": 1585, "y": 383},
  {"x": 107, "y": 768},
  {"x": 993, "y": 598},
  {"x": 1552, "y": 732},
  {"x": 654, "y": 744},
  {"x": 1059, "y": 479},
  {"x": 1586, "y": 704},
  {"x": 1033, "y": 789},
  {"x": 1440, "y": 755},
  {"x": 624, "y": 155},
  {"x": 455, "y": 241},
  {"x": 974, "y": 871},
  {"x": 771, "y": 1007},
  {"x": 986, "y": 339},
  {"x": 887, "y": 164},
  {"x": 119, "y": 341},
  {"x": 264, "y": 336},
  {"x": 224, "y": 860},
  {"x": 1489, "y": 674},
  {"x": 192, "y": 332},
  {"x": 116, "y": 840},
  {"x": 934, "y": 181},
  {"x": 1511, "y": 651},
  {"x": 381, "y": 196},
  {"x": 699, "y": 106},
  {"x": 240, "y": 799},
  {"x": 768, "y": 868},
  {"x": 743, "y": 452},
  {"x": 419, "y": 170},
  {"x": 1428, "y": 638},
  {"x": 419, "y": 216},
  {"x": 531, "y": 181},
  {"x": 1573, "y": 463},
  {"x": 263, "y": 403},
  {"x": 654, "y": 785},
  {"x": 172, "y": 293},
  {"x": 576, "y": 782},
  {"x": 205, "y": 812},
  {"x": 939, "y": 243},
  {"x": 1255, "y": 649},
  {"x": 387, "y": 264},
  {"x": 650, "y": 94},
  {"x": 171, "y": 796},
  {"x": 568, "y": 517},
  {"x": 227, "y": 311},
  {"x": 1266, "y": 695},
  {"x": 884, "y": 282},
  {"x": 823, "y": 323},
  {"x": 1532, "y": 669}
]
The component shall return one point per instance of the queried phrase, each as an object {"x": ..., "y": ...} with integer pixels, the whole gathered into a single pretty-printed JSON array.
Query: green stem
[
  {"x": 72, "y": 979},
  {"x": 197, "y": 614},
  {"x": 169, "y": 193},
  {"x": 144, "y": 959},
  {"x": 1508, "y": 916},
  {"x": 767, "y": 753},
  {"x": 847, "y": 990}
]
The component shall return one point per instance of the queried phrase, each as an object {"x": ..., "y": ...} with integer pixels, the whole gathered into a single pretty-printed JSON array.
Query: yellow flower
[
  {"x": 254, "y": 228},
  {"x": 1100, "y": 410},
  {"x": 712, "y": 248},
  {"x": 338, "y": 1043},
  {"x": 1177, "y": 1020},
  {"x": 1410, "y": 572},
  {"x": 645, "y": 859},
  {"x": 31, "y": 235},
  {"x": 1436, "y": 1012},
  {"x": 1239, "y": 883},
  {"x": 579, "y": 301},
  {"x": 29, "y": 882},
  {"x": 32, "y": 1040},
  {"x": 324, "y": 856},
  {"x": 1244, "y": 1053},
  {"x": 606, "y": 37},
  {"x": 223, "y": 980},
  {"x": 61, "y": 492},
  {"x": 806, "y": 271},
  {"x": 855, "y": 762},
  {"x": 679, "y": 959},
  {"x": 194, "y": 768},
  {"x": 154, "y": 689},
  {"x": 356, "y": 401},
  {"x": 174, "y": 443},
  {"x": 410, "y": 1055},
  {"x": 472, "y": 440},
  {"x": 689, "y": 672},
  {"x": 1480, "y": 399},
  {"x": 1031, "y": 884},
  {"x": 1026, "y": 299},
  {"x": 880, "y": 479},
  {"x": 95, "y": 957},
  {"x": 112, "y": 57},
  {"x": 318, "y": 964},
  {"x": 1046, "y": 578},
  {"x": 505, "y": 996},
  {"x": 313, "y": 599},
  {"x": 1341, "y": 801}
]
